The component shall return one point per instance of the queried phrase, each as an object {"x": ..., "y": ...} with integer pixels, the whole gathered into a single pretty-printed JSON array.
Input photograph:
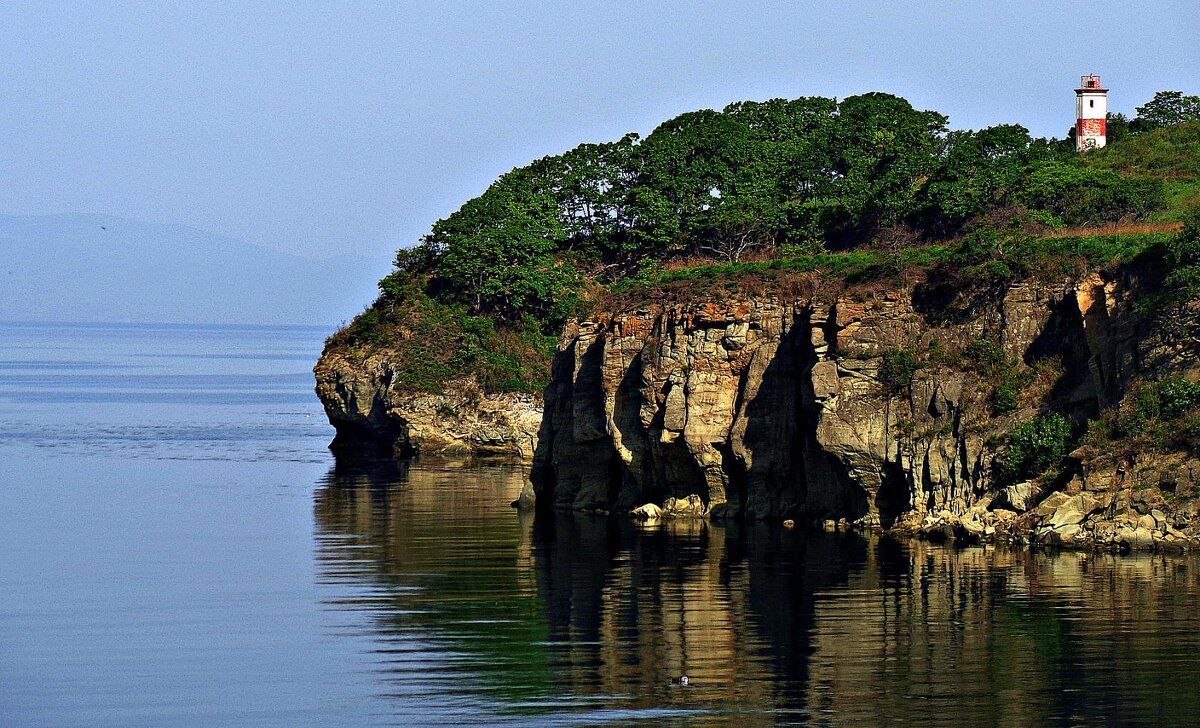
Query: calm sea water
[{"x": 177, "y": 547}]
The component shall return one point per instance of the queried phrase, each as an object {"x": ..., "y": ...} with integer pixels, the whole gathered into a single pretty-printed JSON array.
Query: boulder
[
  {"x": 1051, "y": 504},
  {"x": 1073, "y": 510},
  {"x": 691, "y": 506},
  {"x": 1014, "y": 497},
  {"x": 1135, "y": 538},
  {"x": 1003, "y": 515},
  {"x": 1069, "y": 534},
  {"x": 648, "y": 512}
]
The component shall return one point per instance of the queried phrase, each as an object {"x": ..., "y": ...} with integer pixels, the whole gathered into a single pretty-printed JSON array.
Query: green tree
[
  {"x": 875, "y": 156},
  {"x": 736, "y": 225},
  {"x": 1080, "y": 195},
  {"x": 978, "y": 171},
  {"x": 496, "y": 253},
  {"x": 686, "y": 165},
  {"x": 1118, "y": 128},
  {"x": 591, "y": 187},
  {"x": 1166, "y": 109}
]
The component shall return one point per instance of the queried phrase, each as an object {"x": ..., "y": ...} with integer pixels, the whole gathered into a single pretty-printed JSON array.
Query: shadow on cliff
[
  {"x": 783, "y": 470},
  {"x": 766, "y": 469},
  {"x": 946, "y": 297}
]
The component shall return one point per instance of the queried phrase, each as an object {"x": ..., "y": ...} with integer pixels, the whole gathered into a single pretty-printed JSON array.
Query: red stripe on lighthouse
[{"x": 1091, "y": 127}]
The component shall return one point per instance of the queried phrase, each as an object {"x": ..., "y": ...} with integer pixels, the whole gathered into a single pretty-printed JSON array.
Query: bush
[
  {"x": 1007, "y": 397},
  {"x": 1082, "y": 196},
  {"x": 898, "y": 369},
  {"x": 1183, "y": 258},
  {"x": 988, "y": 358},
  {"x": 1177, "y": 397},
  {"x": 1167, "y": 399},
  {"x": 1155, "y": 415},
  {"x": 986, "y": 353},
  {"x": 430, "y": 342},
  {"x": 1035, "y": 445}
]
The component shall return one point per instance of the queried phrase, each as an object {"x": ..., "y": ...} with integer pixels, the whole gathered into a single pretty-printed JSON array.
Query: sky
[{"x": 348, "y": 128}]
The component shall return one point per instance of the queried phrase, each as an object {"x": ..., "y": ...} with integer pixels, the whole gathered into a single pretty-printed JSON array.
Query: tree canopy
[
  {"x": 1166, "y": 109},
  {"x": 807, "y": 174}
]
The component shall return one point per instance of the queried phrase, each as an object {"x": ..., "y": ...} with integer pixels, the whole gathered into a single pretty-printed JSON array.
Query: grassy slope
[{"x": 1172, "y": 153}]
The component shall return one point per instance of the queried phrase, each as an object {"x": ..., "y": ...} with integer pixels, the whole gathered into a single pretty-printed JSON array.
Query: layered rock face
[
  {"x": 773, "y": 408},
  {"x": 370, "y": 412},
  {"x": 793, "y": 407}
]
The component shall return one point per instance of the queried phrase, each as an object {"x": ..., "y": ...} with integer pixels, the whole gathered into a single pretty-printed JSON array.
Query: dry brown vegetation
[{"x": 1117, "y": 228}]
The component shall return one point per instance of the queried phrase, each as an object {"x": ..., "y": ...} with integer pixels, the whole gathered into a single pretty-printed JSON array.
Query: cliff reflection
[{"x": 466, "y": 600}]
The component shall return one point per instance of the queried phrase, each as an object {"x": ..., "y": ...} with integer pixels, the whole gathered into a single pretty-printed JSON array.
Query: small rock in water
[{"x": 648, "y": 512}]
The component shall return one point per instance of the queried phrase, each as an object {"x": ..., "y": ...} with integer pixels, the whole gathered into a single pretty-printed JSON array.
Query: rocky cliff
[
  {"x": 369, "y": 410},
  {"x": 796, "y": 408},
  {"x": 868, "y": 405}
]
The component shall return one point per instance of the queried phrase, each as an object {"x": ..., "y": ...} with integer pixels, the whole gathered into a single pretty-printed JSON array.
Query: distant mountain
[{"x": 97, "y": 268}]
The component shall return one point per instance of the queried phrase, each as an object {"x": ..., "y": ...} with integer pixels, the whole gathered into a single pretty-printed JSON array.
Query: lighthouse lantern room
[{"x": 1091, "y": 113}]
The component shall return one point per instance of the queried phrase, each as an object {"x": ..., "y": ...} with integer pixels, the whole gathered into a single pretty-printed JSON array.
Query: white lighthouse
[{"x": 1091, "y": 113}]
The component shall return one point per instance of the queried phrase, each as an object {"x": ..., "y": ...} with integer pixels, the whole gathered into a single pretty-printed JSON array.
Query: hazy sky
[{"x": 324, "y": 128}]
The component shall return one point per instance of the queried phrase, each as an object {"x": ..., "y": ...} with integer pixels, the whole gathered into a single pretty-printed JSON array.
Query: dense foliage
[
  {"x": 439, "y": 341},
  {"x": 1035, "y": 445},
  {"x": 1159, "y": 415}
]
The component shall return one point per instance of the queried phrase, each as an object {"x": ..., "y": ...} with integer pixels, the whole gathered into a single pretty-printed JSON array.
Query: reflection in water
[{"x": 476, "y": 612}]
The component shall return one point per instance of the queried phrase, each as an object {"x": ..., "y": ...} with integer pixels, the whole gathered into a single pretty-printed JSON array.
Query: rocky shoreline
[
  {"x": 1107, "y": 522},
  {"x": 1118, "y": 522}
]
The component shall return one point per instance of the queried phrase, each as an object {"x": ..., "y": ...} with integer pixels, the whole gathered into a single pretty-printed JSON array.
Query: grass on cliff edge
[
  {"x": 429, "y": 343},
  {"x": 987, "y": 259}
]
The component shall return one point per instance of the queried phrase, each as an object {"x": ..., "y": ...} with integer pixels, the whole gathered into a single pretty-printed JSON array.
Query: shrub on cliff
[
  {"x": 1081, "y": 196},
  {"x": 1160, "y": 415},
  {"x": 1183, "y": 257},
  {"x": 897, "y": 370},
  {"x": 430, "y": 342},
  {"x": 1035, "y": 445}
]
